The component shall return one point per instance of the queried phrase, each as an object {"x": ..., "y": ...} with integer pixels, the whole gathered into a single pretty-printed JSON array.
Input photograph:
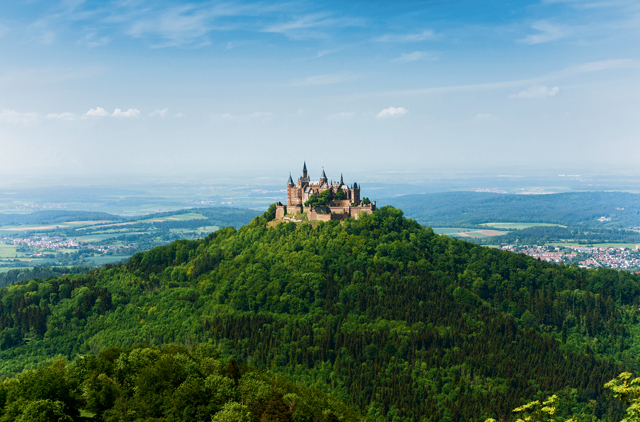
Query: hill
[
  {"x": 470, "y": 208},
  {"x": 381, "y": 313}
]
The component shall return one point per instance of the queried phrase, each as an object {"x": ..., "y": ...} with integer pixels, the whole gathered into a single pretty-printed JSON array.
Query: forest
[
  {"x": 380, "y": 313},
  {"x": 470, "y": 208},
  {"x": 539, "y": 235},
  {"x": 171, "y": 383}
]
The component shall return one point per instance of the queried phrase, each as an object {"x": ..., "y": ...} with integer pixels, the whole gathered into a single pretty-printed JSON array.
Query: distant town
[{"x": 584, "y": 257}]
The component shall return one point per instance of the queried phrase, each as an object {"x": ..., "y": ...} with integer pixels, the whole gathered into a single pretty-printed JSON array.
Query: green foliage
[
  {"x": 340, "y": 196},
  {"x": 319, "y": 200},
  {"x": 366, "y": 201},
  {"x": 149, "y": 383},
  {"x": 380, "y": 312}
]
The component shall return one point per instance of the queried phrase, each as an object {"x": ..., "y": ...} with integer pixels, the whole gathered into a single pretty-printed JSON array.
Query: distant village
[
  {"x": 44, "y": 244},
  {"x": 583, "y": 256}
]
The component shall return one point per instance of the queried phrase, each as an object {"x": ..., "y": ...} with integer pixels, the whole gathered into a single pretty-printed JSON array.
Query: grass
[
  {"x": 519, "y": 226},
  {"x": 450, "y": 230},
  {"x": 178, "y": 217},
  {"x": 8, "y": 251}
]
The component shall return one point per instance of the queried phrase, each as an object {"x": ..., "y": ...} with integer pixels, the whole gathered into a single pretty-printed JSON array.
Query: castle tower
[
  {"x": 304, "y": 170},
  {"x": 323, "y": 178}
]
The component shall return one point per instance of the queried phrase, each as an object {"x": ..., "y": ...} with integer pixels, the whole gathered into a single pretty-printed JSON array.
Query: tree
[
  {"x": 366, "y": 201},
  {"x": 340, "y": 196},
  {"x": 233, "y": 412},
  {"x": 629, "y": 392}
]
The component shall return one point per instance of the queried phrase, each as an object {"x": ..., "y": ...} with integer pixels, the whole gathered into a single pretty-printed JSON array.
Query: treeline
[
  {"x": 381, "y": 313},
  {"x": 469, "y": 208},
  {"x": 54, "y": 216},
  {"x": 539, "y": 235},
  {"x": 25, "y": 274},
  {"x": 171, "y": 383}
]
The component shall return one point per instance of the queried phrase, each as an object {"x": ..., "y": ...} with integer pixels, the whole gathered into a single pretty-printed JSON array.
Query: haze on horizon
[{"x": 100, "y": 89}]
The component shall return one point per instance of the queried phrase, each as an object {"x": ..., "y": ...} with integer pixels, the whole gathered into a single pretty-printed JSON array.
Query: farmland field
[{"x": 518, "y": 226}]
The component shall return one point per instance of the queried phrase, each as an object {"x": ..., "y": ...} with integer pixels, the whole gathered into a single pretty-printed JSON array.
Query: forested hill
[
  {"x": 382, "y": 313},
  {"x": 574, "y": 208}
]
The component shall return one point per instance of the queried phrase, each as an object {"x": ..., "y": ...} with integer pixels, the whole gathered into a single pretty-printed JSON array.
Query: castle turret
[
  {"x": 304, "y": 170},
  {"x": 323, "y": 178},
  {"x": 290, "y": 182}
]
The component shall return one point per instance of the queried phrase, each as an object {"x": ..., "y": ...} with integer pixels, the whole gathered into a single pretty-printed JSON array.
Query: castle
[{"x": 323, "y": 200}]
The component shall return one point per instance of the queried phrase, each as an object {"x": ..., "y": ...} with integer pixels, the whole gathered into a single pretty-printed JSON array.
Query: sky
[{"x": 134, "y": 87}]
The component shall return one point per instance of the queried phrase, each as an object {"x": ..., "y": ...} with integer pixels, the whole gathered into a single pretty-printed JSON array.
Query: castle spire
[
  {"x": 304, "y": 169},
  {"x": 323, "y": 176},
  {"x": 341, "y": 181},
  {"x": 290, "y": 182}
]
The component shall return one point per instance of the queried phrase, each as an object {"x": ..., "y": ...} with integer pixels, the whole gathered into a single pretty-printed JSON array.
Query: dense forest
[
  {"x": 573, "y": 209},
  {"x": 171, "y": 383},
  {"x": 54, "y": 216},
  {"x": 539, "y": 235},
  {"x": 381, "y": 313}
]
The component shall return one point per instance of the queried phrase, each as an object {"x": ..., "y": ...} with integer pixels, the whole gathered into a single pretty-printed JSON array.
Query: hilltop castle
[{"x": 323, "y": 200}]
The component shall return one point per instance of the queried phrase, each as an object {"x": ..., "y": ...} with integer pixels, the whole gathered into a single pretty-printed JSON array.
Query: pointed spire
[
  {"x": 290, "y": 182},
  {"x": 304, "y": 169},
  {"x": 341, "y": 181},
  {"x": 324, "y": 176}
]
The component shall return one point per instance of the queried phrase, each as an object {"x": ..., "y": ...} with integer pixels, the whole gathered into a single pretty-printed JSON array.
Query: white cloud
[
  {"x": 341, "y": 116},
  {"x": 132, "y": 112},
  {"x": 323, "y": 80},
  {"x": 179, "y": 115},
  {"x": 12, "y": 116},
  {"x": 547, "y": 32},
  {"x": 305, "y": 26},
  {"x": 537, "y": 91},
  {"x": 427, "y": 34},
  {"x": 392, "y": 112},
  {"x": 62, "y": 116},
  {"x": 415, "y": 56},
  {"x": 97, "y": 112},
  {"x": 161, "y": 113}
]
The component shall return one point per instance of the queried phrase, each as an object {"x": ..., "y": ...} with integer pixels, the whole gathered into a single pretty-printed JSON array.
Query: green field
[
  {"x": 177, "y": 217},
  {"x": 449, "y": 230},
  {"x": 518, "y": 226}
]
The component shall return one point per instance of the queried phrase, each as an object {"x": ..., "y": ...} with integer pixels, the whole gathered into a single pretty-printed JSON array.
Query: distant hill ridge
[{"x": 572, "y": 208}]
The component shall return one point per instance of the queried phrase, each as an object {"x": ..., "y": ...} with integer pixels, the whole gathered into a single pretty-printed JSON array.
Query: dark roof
[
  {"x": 304, "y": 167},
  {"x": 324, "y": 176},
  {"x": 290, "y": 182}
]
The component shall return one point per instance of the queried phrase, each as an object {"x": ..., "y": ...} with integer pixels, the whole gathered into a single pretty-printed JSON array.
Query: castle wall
[{"x": 281, "y": 211}]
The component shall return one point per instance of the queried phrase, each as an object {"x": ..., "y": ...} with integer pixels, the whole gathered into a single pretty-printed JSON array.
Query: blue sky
[{"x": 153, "y": 87}]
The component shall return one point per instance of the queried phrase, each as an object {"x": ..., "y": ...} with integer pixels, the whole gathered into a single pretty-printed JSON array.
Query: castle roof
[
  {"x": 304, "y": 167},
  {"x": 290, "y": 182},
  {"x": 324, "y": 176}
]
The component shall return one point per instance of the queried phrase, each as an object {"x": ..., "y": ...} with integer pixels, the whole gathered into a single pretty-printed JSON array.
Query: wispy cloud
[
  {"x": 12, "y": 116},
  {"x": 537, "y": 91},
  {"x": 97, "y": 112},
  {"x": 392, "y": 112},
  {"x": 306, "y": 26},
  {"x": 427, "y": 34},
  {"x": 584, "y": 68},
  {"x": 159, "y": 113},
  {"x": 323, "y": 80},
  {"x": 132, "y": 112},
  {"x": 92, "y": 40},
  {"x": 547, "y": 32},
  {"x": 62, "y": 116},
  {"x": 416, "y": 56}
]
